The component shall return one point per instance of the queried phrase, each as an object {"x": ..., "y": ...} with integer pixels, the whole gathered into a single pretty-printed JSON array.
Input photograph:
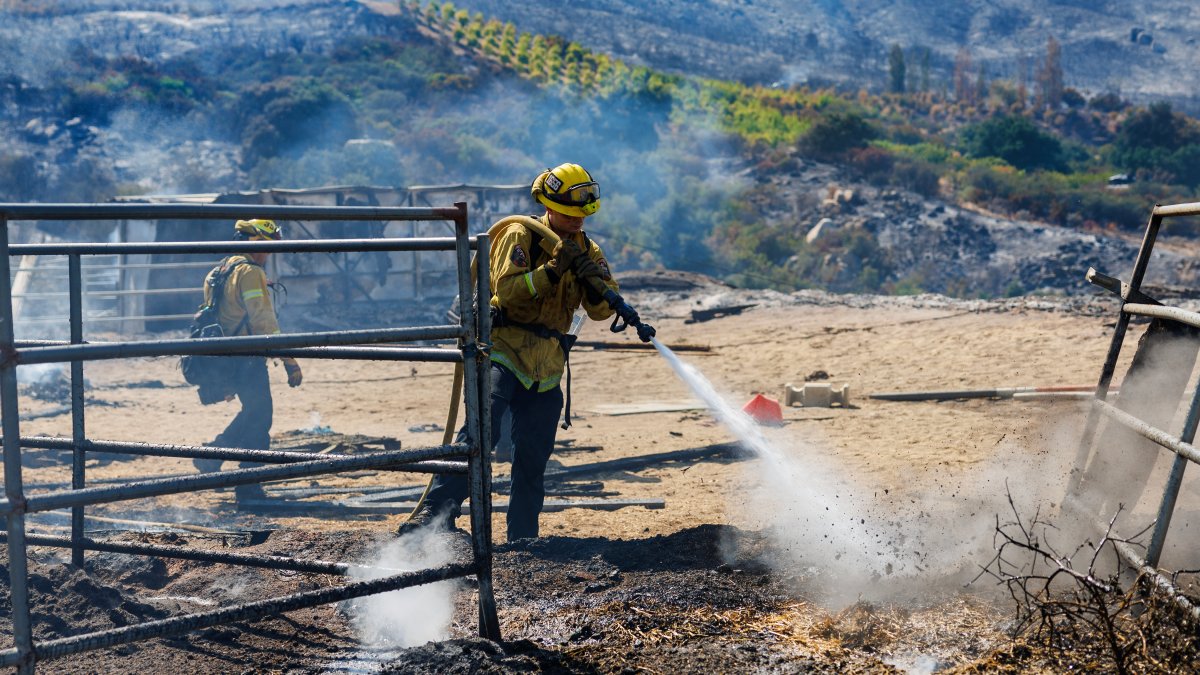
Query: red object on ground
[{"x": 764, "y": 410}]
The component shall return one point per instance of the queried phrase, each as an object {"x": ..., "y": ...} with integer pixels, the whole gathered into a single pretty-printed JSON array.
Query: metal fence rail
[
  {"x": 117, "y": 301},
  {"x": 471, "y": 335},
  {"x": 128, "y": 304},
  {"x": 61, "y": 647},
  {"x": 215, "y": 452},
  {"x": 102, "y": 299},
  {"x": 272, "y": 562},
  {"x": 1136, "y": 303}
]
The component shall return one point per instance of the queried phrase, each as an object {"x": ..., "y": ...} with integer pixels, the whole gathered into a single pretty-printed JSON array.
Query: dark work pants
[
  {"x": 534, "y": 424},
  {"x": 251, "y": 429}
]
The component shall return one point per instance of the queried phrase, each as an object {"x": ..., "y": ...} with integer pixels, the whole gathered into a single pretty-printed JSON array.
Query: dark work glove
[
  {"x": 565, "y": 253},
  {"x": 294, "y": 375},
  {"x": 586, "y": 268},
  {"x": 590, "y": 290}
]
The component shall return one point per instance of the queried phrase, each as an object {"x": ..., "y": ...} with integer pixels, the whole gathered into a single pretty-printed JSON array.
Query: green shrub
[
  {"x": 917, "y": 176},
  {"x": 289, "y": 118},
  {"x": 837, "y": 132},
  {"x": 1017, "y": 141},
  {"x": 1161, "y": 143},
  {"x": 910, "y": 285},
  {"x": 873, "y": 163},
  {"x": 1052, "y": 197},
  {"x": 1107, "y": 102}
]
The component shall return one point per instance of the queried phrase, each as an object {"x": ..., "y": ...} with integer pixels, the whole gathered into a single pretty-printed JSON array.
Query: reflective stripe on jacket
[
  {"x": 246, "y": 295},
  {"x": 522, "y": 288}
]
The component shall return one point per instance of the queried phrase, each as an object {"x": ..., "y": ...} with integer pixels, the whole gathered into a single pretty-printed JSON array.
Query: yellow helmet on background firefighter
[
  {"x": 258, "y": 229},
  {"x": 568, "y": 189}
]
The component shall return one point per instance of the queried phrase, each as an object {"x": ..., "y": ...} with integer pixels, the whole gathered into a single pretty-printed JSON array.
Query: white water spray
[
  {"x": 815, "y": 516},
  {"x": 789, "y": 473}
]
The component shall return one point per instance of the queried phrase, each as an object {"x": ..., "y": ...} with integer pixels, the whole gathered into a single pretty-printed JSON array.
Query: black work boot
[
  {"x": 207, "y": 465},
  {"x": 429, "y": 518},
  {"x": 247, "y": 493}
]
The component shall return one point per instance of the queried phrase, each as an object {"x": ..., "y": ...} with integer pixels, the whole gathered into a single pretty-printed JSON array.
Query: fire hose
[{"x": 625, "y": 316}]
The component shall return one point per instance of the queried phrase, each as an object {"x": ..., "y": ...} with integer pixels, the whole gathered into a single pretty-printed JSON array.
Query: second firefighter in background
[{"x": 246, "y": 309}]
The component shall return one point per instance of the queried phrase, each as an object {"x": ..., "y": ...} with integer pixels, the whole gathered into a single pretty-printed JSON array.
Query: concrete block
[{"x": 816, "y": 395}]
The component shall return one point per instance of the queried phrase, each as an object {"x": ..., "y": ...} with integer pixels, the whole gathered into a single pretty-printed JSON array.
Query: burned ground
[
  {"x": 582, "y": 605},
  {"x": 698, "y": 584}
]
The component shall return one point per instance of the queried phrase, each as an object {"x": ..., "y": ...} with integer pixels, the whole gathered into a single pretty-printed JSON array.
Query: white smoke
[{"x": 410, "y": 616}]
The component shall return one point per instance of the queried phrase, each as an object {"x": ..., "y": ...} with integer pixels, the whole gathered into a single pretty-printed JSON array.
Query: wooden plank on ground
[
  {"x": 621, "y": 464},
  {"x": 335, "y": 509},
  {"x": 639, "y": 346},
  {"x": 642, "y": 407}
]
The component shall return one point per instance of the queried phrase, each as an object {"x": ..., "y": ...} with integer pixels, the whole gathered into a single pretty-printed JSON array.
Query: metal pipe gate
[
  {"x": 1136, "y": 303},
  {"x": 473, "y": 334}
]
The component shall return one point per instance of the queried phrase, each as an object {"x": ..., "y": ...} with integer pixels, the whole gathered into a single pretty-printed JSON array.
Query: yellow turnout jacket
[
  {"x": 246, "y": 307},
  {"x": 523, "y": 290}
]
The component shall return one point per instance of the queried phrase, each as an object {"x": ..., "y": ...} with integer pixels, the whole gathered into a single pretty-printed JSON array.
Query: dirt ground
[{"x": 696, "y": 585}]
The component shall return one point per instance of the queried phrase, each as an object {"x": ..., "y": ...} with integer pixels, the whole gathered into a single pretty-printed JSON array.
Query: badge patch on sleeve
[
  {"x": 603, "y": 264},
  {"x": 518, "y": 256}
]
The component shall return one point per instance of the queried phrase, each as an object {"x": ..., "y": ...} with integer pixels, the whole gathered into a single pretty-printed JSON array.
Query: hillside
[
  {"x": 1142, "y": 51},
  {"x": 846, "y": 42}
]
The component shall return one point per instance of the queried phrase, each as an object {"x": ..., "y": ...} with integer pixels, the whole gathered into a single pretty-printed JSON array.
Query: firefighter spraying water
[{"x": 542, "y": 271}]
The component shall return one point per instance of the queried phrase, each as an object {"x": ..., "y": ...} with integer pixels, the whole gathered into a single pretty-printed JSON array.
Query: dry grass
[{"x": 861, "y": 638}]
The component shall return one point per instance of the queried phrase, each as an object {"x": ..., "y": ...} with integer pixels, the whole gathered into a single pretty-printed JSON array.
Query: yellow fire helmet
[
  {"x": 258, "y": 229},
  {"x": 568, "y": 189}
]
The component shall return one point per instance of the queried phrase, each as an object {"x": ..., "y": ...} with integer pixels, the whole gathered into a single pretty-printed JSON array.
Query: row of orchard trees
[
  {"x": 758, "y": 115},
  {"x": 546, "y": 59}
]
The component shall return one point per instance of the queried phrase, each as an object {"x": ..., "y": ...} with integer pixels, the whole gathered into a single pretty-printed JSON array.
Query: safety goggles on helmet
[
  {"x": 580, "y": 200},
  {"x": 580, "y": 194}
]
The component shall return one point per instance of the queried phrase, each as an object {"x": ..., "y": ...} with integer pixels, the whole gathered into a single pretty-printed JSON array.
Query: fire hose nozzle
[
  {"x": 627, "y": 316},
  {"x": 646, "y": 332}
]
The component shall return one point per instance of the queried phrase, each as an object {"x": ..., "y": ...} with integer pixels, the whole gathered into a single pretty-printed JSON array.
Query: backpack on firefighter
[{"x": 212, "y": 375}]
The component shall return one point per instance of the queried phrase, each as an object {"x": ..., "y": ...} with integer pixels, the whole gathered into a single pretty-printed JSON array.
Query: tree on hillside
[
  {"x": 896, "y": 70},
  {"x": 982, "y": 88},
  {"x": 1109, "y": 101},
  {"x": 522, "y": 49},
  {"x": 1017, "y": 141},
  {"x": 964, "y": 91},
  {"x": 1161, "y": 142},
  {"x": 1022, "y": 83},
  {"x": 835, "y": 133},
  {"x": 924, "y": 82},
  {"x": 1072, "y": 98},
  {"x": 1050, "y": 77}
]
